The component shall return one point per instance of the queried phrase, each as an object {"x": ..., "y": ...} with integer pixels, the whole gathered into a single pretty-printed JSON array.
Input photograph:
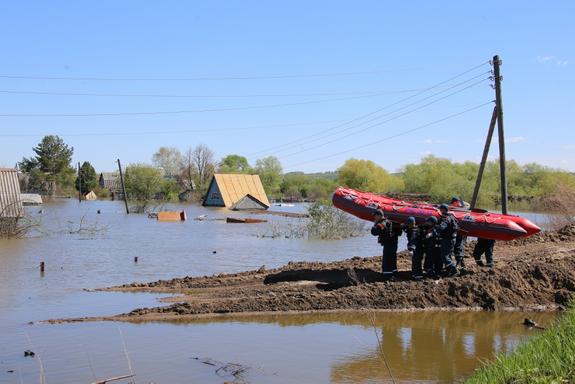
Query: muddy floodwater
[{"x": 83, "y": 250}]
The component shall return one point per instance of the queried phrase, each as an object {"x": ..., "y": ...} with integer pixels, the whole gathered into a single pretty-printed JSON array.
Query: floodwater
[{"x": 83, "y": 249}]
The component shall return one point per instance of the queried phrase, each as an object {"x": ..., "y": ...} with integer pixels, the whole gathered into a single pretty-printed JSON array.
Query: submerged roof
[
  {"x": 10, "y": 200},
  {"x": 232, "y": 187},
  {"x": 249, "y": 202}
]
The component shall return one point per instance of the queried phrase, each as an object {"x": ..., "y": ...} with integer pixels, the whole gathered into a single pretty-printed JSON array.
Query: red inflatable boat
[{"x": 477, "y": 223}]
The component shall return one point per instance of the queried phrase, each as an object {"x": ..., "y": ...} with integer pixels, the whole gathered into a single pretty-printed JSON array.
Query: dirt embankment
[{"x": 533, "y": 273}]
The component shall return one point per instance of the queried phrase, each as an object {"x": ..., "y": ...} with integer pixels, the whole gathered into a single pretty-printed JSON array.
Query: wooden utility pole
[
  {"x": 123, "y": 188},
  {"x": 79, "y": 184},
  {"x": 484, "y": 158},
  {"x": 500, "y": 133}
]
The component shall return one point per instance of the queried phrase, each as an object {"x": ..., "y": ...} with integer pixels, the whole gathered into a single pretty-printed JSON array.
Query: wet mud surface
[{"x": 534, "y": 273}]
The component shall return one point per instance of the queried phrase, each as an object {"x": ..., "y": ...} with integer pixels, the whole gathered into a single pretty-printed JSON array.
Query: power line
[
  {"x": 172, "y": 131},
  {"x": 225, "y": 109},
  {"x": 331, "y": 133},
  {"x": 374, "y": 112},
  {"x": 386, "y": 121},
  {"x": 397, "y": 110},
  {"x": 91, "y": 94},
  {"x": 403, "y": 133},
  {"x": 205, "y": 78}
]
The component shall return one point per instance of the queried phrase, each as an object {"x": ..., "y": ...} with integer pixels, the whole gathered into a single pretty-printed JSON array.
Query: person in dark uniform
[
  {"x": 430, "y": 246},
  {"x": 484, "y": 246},
  {"x": 388, "y": 235},
  {"x": 414, "y": 246},
  {"x": 447, "y": 228},
  {"x": 460, "y": 240}
]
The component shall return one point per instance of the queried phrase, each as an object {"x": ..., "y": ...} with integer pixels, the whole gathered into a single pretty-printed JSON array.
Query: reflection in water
[
  {"x": 440, "y": 347},
  {"x": 316, "y": 348},
  {"x": 469, "y": 344}
]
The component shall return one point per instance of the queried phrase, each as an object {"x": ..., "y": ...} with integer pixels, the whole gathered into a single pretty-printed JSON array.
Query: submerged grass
[{"x": 546, "y": 358}]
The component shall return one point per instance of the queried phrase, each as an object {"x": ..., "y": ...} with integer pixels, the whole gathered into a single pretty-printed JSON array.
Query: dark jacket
[
  {"x": 386, "y": 231},
  {"x": 429, "y": 237},
  {"x": 447, "y": 226},
  {"x": 412, "y": 236}
]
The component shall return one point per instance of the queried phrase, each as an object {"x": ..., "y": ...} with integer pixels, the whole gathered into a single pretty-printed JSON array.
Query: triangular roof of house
[
  {"x": 248, "y": 202},
  {"x": 233, "y": 187}
]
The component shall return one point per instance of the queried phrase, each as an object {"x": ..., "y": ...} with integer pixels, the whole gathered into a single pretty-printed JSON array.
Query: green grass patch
[{"x": 546, "y": 358}]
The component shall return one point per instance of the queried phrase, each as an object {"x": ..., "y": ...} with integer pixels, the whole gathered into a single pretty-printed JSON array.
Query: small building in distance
[
  {"x": 226, "y": 190},
  {"x": 10, "y": 200},
  {"x": 90, "y": 196},
  {"x": 111, "y": 182},
  {"x": 31, "y": 199}
]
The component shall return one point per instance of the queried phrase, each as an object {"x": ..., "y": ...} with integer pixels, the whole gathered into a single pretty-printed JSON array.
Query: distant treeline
[
  {"x": 172, "y": 172},
  {"x": 440, "y": 179}
]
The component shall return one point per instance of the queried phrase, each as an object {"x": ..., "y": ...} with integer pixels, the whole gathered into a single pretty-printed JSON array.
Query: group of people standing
[{"x": 432, "y": 244}]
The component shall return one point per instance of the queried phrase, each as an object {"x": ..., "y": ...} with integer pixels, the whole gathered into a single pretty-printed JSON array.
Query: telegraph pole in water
[
  {"x": 79, "y": 184},
  {"x": 500, "y": 133},
  {"x": 123, "y": 188}
]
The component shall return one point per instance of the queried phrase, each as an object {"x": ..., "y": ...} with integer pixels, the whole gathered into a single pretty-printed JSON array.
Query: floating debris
[
  {"x": 171, "y": 216},
  {"x": 235, "y": 220}
]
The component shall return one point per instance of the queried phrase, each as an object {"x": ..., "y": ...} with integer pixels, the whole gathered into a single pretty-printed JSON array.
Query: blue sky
[{"x": 291, "y": 79}]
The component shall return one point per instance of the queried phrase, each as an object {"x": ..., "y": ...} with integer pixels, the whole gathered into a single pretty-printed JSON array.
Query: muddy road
[{"x": 535, "y": 273}]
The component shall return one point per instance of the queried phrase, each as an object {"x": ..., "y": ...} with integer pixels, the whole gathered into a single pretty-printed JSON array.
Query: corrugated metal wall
[{"x": 10, "y": 202}]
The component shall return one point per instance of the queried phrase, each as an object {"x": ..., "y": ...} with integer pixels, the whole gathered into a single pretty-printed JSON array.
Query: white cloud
[
  {"x": 544, "y": 59},
  {"x": 509, "y": 140},
  {"x": 515, "y": 139},
  {"x": 434, "y": 141},
  {"x": 569, "y": 147},
  {"x": 552, "y": 60},
  {"x": 425, "y": 153}
]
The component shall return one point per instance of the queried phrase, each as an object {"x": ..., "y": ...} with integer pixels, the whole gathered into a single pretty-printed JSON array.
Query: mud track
[{"x": 534, "y": 273}]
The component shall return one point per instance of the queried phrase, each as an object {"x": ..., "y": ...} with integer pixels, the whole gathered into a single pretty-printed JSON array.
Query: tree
[
  {"x": 442, "y": 179},
  {"x": 53, "y": 155},
  {"x": 198, "y": 167},
  {"x": 87, "y": 180},
  {"x": 143, "y": 182},
  {"x": 53, "y": 158},
  {"x": 270, "y": 170},
  {"x": 368, "y": 176},
  {"x": 234, "y": 164},
  {"x": 169, "y": 159},
  {"x": 294, "y": 186}
]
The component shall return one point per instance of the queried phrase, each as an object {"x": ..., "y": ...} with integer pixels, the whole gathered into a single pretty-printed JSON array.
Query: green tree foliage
[
  {"x": 234, "y": 164},
  {"x": 87, "y": 180},
  {"x": 169, "y": 189},
  {"x": 169, "y": 159},
  {"x": 53, "y": 155},
  {"x": 368, "y": 176},
  {"x": 143, "y": 182},
  {"x": 53, "y": 158},
  {"x": 270, "y": 171},
  {"x": 442, "y": 178},
  {"x": 296, "y": 186}
]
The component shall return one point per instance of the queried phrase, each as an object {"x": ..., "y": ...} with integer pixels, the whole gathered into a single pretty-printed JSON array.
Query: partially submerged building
[
  {"x": 10, "y": 201},
  {"x": 111, "y": 182},
  {"x": 236, "y": 191},
  {"x": 31, "y": 199},
  {"x": 90, "y": 196}
]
